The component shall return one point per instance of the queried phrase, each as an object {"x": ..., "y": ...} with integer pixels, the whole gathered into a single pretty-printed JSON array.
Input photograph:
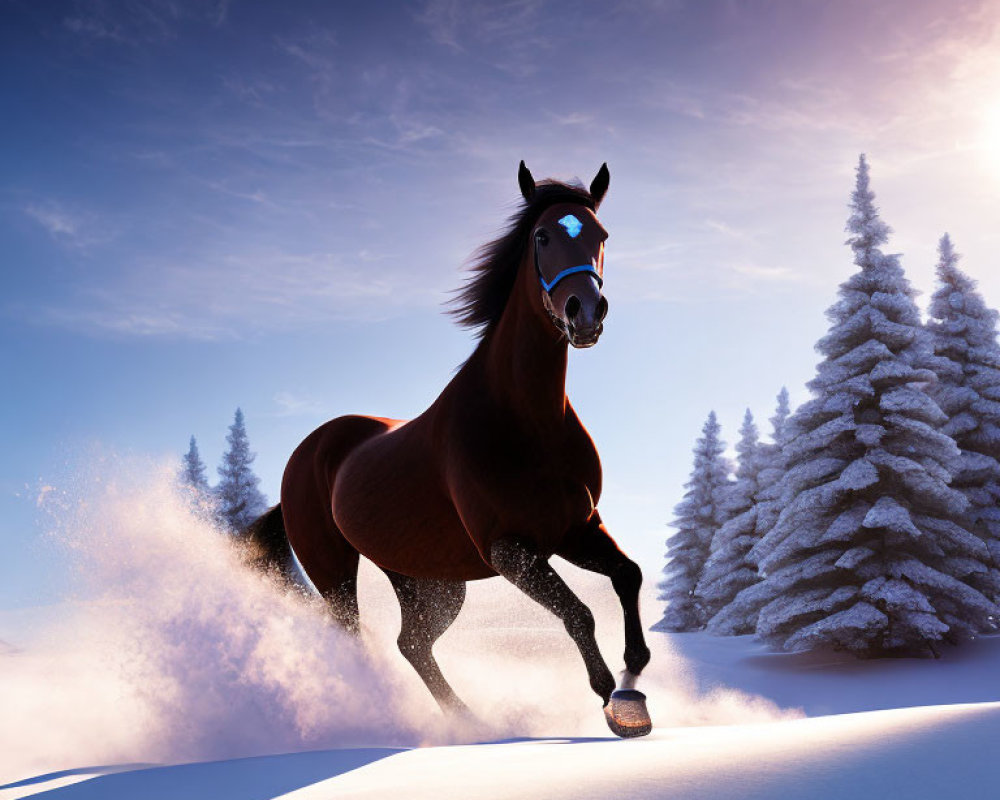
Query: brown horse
[{"x": 497, "y": 476}]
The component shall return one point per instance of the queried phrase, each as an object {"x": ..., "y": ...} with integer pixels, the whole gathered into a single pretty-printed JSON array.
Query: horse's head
[{"x": 567, "y": 245}]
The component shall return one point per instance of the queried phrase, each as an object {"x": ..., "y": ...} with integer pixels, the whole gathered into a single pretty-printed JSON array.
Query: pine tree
[
  {"x": 772, "y": 466},
  {"x": 240, "y": 501},
  {"x": 740, "y": 614},
  {"x": 964, "y": 335},
  {"x": 864, "y": 554},
  {"x": 728, "y": 569},
  {"x": 193, "y": 472},
  {"x": 698, "y": 516}
]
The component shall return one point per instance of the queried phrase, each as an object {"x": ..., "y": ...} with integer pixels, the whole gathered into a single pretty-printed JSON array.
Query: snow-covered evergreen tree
[
  {"x": 964, "y": 335},
  {"x": 772, "y": 466},
  {"x": 193, "y": 472},
  {"x": 866, "y": 555},
  {"x": 728, "y": 569},
  {"x": 240, "y": 501},
  {"x": 740, "y": 614},
  {"x": 698, "y": 516}
]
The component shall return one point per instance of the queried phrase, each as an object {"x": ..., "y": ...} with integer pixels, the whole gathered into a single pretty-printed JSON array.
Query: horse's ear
[
  {"x": 599, "y": 186},
  {"x": 526, "y": 182}
]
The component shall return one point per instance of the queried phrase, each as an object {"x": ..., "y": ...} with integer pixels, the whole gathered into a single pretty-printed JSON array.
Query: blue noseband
[{"x": 548, "y": 286}]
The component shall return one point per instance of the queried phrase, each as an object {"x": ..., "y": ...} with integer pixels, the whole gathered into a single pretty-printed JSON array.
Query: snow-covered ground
[
  {"x": 910, "y": 753},
  {"x": 180, "y": 675},
  {"x": 935, "y": 739}
]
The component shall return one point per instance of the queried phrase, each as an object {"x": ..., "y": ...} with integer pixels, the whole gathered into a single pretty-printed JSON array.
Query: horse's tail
[{"x": 268, "y": 548}]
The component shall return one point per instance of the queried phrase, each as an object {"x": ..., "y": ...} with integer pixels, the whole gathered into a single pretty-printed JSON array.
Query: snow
[
  {"x": 912, "y": 753},
  {"x": 918, "y": 729},
  {"x": 825, "y": 683},
  {"x": 187, "y": 676},
  {"x": 260, "y": 777}
]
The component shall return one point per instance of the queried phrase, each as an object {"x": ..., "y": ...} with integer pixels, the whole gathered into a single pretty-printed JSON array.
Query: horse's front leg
[
  {"x": 517, "y": 561},
  {"x": 590, "y": 547}
]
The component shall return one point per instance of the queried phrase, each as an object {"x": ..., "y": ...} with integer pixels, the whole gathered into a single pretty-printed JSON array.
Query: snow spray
[{"x": 169, "y": 649}]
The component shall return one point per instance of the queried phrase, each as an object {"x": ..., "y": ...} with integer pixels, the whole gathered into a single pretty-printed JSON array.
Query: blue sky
[{"x": 207, "y": 205}]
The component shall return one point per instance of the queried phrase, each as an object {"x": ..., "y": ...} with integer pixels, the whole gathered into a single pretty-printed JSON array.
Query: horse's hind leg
[
  {"x": 330, "y": 561},
  {"x": 327, "y": 558},
  {"x": 518, "y": 562},
  {"x": 342, "y": 599},
  {"x": 428, "y": 608},
  {"x": 592, "y": 548},
  {"x": 332, "y": 565}
]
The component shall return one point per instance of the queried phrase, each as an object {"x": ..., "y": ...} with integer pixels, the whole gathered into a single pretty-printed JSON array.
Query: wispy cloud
[
  {"x": 459, "y": 23},
  {"x": 667, "y": 94},
  {"x": 768, "y": 273},
  {"x": 315, "y": 49},
  {"x": 572, "y": 118},
  {"x": 68, "y": 226},
  {"x": 250, "y": 89},
  {"x": 727, "y": 230},
  {"x": 290, "y": 404},
  {"x": 255, "y": 196},
  {"x": 804, "y": 109},
  {"x": 118, "y": 320},
  {"x": 133, "y": 22},
  {"x": 652, "y": 258},
  {"x": 510, "y": 34},
  {"x": 395, "y": 107},
  {"x": 55, "y": 220},
  {"x": 221, "y": 12},
  {"x": 238, "y": 296},
  {"x": 95, "y": 27}
]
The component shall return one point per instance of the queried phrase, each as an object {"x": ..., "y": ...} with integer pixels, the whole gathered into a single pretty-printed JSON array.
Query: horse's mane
[{"x": 481, "y": 300}]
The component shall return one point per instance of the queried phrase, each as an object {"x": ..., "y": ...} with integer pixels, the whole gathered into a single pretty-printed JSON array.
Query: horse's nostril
[
  {"x": 602, "y": 307},
  {"x": 572, "y": 306}
]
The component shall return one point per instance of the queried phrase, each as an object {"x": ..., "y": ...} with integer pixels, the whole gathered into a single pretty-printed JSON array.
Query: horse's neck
[{"x": 525, "y": 363}]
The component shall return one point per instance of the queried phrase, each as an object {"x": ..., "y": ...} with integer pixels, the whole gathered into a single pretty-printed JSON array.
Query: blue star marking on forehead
[{"x": 572, "y": 225}]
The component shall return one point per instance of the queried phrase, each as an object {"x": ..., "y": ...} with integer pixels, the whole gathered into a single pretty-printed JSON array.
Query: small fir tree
[
  {"x": 240, "y": 502},
  {"x": 194, "y": 484},
  {"x": 728, "y": 569},
  {"x": 698, "y": 516},
  {"x": 193, "y": 472},
  {"x": 964, "y": 336},
  {"x": 864, "y": 553}
]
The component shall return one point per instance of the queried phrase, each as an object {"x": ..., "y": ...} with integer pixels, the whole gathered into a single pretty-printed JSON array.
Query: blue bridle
[{"x": 548, "y": 286}]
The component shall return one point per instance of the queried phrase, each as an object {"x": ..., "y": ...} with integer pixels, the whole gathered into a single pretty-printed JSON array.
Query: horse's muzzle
[
  {"x": 585, "y": 321},
  {"x": 584, "y": 338}
]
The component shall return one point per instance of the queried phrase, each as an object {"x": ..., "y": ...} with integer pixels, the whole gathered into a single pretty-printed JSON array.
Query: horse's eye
[{"x": 542, "y": 238}]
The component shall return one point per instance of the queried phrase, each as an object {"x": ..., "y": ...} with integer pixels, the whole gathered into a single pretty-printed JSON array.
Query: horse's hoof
[{"x": 627, "y": 715}]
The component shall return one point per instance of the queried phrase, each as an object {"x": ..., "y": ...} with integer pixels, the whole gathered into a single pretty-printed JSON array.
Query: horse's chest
[
  {"x": 527, "y": 486},
  {"x": 561, "y": 502},
  {"x": 545, "y": 506}
]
